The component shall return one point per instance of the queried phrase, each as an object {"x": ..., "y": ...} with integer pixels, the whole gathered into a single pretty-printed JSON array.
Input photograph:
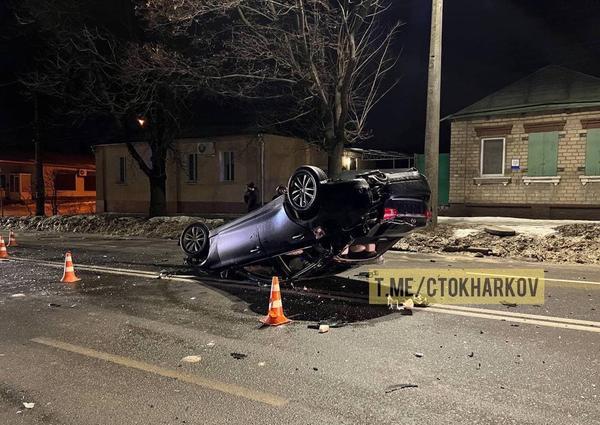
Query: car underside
[{"x": 320, "y": 227}]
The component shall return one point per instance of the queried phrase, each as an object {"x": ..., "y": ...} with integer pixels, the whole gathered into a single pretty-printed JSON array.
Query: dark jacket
[{"x": 251, "y": 199}]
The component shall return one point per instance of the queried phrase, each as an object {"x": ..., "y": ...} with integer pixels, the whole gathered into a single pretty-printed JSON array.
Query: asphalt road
[{"x": 109, "y": 350}]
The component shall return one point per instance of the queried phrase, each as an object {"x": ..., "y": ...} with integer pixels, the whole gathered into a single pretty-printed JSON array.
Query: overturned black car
[{"x": 320, "y": 227}]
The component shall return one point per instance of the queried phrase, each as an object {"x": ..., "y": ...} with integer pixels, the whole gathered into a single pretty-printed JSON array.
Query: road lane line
[
  {"x": 585, "y": 282},
  {"x": 521, "y": 315},
  {"x": 514, "y": 319},
  {"x": 552, "y": 321},
  {"x": 210, "y": 384}
]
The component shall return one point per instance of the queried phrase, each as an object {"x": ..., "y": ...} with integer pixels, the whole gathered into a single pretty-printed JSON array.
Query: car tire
[
  {"x": 304, "y": 190},
  {"x": 194, "y": 240}
]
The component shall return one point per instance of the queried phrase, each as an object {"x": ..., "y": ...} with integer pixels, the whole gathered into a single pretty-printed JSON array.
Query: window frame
[
  {"x": 227, "y": 170},
  {"x": 59, "y": 185},
  {"x": 192, "y": 170},
  {"x": 482, "y": 142},
  {"x": 14, "y": 183},
  {"x": 122, "y": 176}
]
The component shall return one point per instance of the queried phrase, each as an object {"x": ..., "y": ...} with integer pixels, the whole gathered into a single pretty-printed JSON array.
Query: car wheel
[
  {"x": 194, "y": 240},
  {"x": 303, "y": 188}
]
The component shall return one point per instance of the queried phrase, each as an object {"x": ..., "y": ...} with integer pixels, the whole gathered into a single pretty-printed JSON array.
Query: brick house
[
  {"x": 532, "y": 149},
  {"x": 69, "y": 180}
]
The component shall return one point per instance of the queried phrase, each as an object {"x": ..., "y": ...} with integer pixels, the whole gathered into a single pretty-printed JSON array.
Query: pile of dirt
[
  {"x": 157, "y": 227},
  {"x": 572, "y": 243}
]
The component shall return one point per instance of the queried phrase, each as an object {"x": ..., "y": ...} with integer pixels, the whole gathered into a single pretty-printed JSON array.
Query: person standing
[{"x": 251, "y": 197}]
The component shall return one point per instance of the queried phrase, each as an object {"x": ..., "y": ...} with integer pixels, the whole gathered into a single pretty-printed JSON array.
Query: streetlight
[{"x": 141, "y": 121}]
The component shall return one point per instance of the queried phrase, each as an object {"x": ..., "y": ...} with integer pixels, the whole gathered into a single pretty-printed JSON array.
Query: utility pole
[
  {"x": 432, "y": 127},
  {"x": 40, "y": 195}
]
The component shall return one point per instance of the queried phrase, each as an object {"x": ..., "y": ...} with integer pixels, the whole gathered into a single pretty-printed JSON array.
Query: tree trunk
[
  {"x": 158, "y": 195},
  {"x": 334, "y": 159},
  {"x": 40, "y": 185}
]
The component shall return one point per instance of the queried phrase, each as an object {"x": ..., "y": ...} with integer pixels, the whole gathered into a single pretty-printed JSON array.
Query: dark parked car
[{"x": 320, "y": 227}]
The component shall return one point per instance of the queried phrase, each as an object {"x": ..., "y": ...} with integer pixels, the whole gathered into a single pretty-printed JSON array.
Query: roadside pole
[
  {"x": 40, "y": 196},
  {"x": 432, "y": 127}
]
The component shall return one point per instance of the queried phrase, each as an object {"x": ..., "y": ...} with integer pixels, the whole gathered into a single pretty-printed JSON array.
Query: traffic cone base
[
  {"x": 69, "y": 273},
  {"x": 275, "y": 317},
  {"x": 3, "y": 251}
]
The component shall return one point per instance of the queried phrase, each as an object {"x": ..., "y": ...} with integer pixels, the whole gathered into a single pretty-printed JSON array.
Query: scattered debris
[
  {"x": 420, "y": 301},
  {"x": 507, "y": 304},
  {"x": 261, "y": 364},
  {"x": 479, "y": 251},
  {"x": 568, "y": 243},
  {"x": 419, "y": 355},
  {"x": 323, "y": 329},
  {"x": 211, "y": 344},
  {"x": 54, "y": 305},
  {"x": 28, "y": 405},
  {"x": 191, "y": 359},
  {"x": 239, "y": 356},
  {"x": 397, "y": 387},
  {"x": 17, "y": 296},
  {"x": 471, "y": 354},
  {"x": 328, "y": 323}
]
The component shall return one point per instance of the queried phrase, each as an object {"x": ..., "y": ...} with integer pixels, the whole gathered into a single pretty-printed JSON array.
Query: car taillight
[
  {"x": 428, "y": 215},
  {"x": 390, "y": 213}
]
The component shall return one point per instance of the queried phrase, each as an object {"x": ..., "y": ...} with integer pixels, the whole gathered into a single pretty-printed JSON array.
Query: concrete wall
[
  {"x": 208, "y": 194},
  {"x": 567, "y": 199}
]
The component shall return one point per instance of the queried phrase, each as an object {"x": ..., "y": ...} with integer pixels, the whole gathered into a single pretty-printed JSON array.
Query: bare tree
[
  {"x": 323, "y": 63},
  {"x": 128, "y": 80}
]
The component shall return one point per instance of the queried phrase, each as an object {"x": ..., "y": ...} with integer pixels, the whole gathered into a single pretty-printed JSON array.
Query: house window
[
  {"x": 592, "y": 153},
  {"x": 542, "y": 157},
  {"x": 2, "y": 181},
  {"x": 65, "y": 181},
  {"x": 89, "y": 182},
  {"x": 122, "y": 170},
  {"x": 227, "y": 167},
  {"x": 493, "y": 156},
  {"x": 192, "y": 167},
  {"x": 14, "y": 183}
]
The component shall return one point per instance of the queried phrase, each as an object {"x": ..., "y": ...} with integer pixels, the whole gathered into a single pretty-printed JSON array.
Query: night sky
[{"x": 487, "y": 45}]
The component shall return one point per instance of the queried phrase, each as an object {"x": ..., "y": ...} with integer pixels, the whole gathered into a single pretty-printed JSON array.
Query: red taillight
[
  {"x": 428, "y": 215},
  {"x": 390, "y": 213}
]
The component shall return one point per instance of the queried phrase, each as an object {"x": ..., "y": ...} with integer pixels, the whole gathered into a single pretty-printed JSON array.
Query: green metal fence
[{"x": 443, "y": 177}]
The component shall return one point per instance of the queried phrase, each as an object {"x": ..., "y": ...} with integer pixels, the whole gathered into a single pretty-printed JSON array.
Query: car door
[{"x": 279, "y": 234}]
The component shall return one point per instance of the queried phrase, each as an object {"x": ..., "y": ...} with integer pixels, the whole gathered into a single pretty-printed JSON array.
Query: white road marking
[
  {"x": 546, "y": 323},
  {"x": 210, "y": 384},
  {"x": 518, "y": 315},
  {"x": 551, "y": 279},
  {"x": 540, "y": 320}
]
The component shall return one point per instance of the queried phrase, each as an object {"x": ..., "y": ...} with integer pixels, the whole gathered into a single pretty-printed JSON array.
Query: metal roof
[
  {"x": 376, "y": 155},
  {"x": 550, "y": 88}
]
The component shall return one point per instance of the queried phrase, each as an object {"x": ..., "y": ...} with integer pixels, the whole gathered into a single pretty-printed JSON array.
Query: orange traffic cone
[
  {"x": 3, "y": 251},
  {"x": 275, "y": 317},
  {"x": 69, "y": 273},
  {"x": 12, "y": 241}
]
